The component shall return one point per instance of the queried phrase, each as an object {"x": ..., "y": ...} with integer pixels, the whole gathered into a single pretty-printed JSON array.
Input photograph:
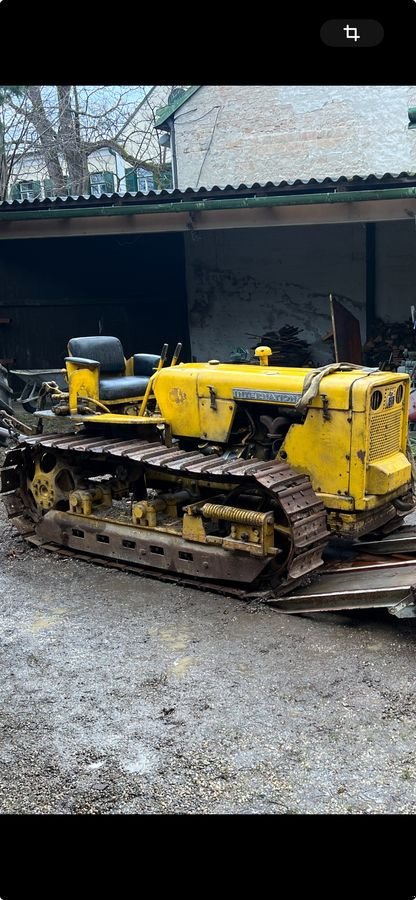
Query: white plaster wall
[
  {"x": 248, "y": 281},
  {"x": 231, "y": 134},
  {"x": 32, "y": 168}
]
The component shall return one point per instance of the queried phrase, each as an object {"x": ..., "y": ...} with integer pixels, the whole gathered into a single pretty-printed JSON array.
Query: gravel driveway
[{"x": 120, "y": 694}]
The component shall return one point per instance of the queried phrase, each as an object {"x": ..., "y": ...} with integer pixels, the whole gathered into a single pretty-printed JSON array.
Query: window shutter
[
  {"x": 49, "y": 188},
  {"x": 109, "y": 182},
  {"x": 131, "y": 180}
]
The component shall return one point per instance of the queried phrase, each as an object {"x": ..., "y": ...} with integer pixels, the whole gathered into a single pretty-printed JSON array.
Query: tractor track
[{"x": 292, "y": 491}]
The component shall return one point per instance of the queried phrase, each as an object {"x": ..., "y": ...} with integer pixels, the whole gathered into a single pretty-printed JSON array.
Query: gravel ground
[{"x": 120, "y": 694}]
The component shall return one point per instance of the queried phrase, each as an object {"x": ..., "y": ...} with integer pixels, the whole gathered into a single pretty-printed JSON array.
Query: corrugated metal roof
[{"x": 269, "y": 188}]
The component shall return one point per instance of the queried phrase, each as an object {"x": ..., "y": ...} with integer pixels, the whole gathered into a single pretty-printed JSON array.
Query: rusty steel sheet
[
  {"x": 401, "y": 542},
  {"x": 347, "y": 334},
  {"x": 389, "y": 585}
]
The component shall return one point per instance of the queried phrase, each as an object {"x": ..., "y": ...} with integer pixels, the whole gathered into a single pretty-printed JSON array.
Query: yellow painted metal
[
  {"x": 350, "y": 441},
  {"x": 215, "y": 421},
  {"x": 378, "y": 438},
  {"x": 144, "y": 512},
  {"x": 320, "y": 448},
  {"x": 82, "y": 382},
  {"x": 193, "y": 528},
  {"x": 262, "y": 354},
  {"x": 176, "y": 392},
  {"x": 149, "y": 387},
  {"x": 339, "y": 439},
  {"x": 387, "y": 474},
  {"x": 130, "y": 366},
  {"x": 342, "y": 472},
  {"x": 82, "y": 502},
  {"x": 176, "y": 388},
  {"x": 118, "y": 419},
  {"x": 251, "y": 532},
  {"x": 50, "y": 481}
]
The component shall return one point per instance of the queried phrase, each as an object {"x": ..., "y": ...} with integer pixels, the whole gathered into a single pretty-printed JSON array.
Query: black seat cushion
[
  {"x": 145, "y": 363},
  {"x": 107, "y": 350},
  {"x": 120, "y": 388}
]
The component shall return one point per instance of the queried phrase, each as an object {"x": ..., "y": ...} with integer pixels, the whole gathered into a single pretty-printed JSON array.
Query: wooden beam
[{"x": 206, "y": 220}]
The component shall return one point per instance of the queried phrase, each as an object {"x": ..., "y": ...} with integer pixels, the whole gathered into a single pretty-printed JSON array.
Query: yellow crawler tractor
[{"x": 235, "y": 477}]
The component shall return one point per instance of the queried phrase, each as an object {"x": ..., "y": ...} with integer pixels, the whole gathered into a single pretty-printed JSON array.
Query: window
[
  {"x": 101, "y": 183},
  {"x": 145, "y": 182},
  {"x": 139, "y": 180},
  {"x": 26, "y": 190}
]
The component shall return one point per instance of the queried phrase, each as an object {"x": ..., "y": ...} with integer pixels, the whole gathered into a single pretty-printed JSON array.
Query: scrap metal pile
[
  {"x": 385, "y": 348},
  {"x": 287, "y": 348}
]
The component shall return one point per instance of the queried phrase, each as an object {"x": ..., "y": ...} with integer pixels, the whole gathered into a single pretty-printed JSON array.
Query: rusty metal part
[
  {"x": 154, "y": 550},
  {"x": 304, "y": 530},
  {"x": 251, "y": 532},
  {"x": 83, "y": 502},
  {"x": 391, "y": 586},
  {"x": 403, "y": 542},
  {"x": 370, "y": 520},
  {"x": 233, "y": 514}
]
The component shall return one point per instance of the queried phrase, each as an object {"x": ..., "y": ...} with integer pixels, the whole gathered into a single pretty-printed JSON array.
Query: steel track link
[{"x": 305, "y": 514}]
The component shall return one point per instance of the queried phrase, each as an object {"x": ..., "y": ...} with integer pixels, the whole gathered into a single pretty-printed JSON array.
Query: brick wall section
[{"x": 231, "y": 134}]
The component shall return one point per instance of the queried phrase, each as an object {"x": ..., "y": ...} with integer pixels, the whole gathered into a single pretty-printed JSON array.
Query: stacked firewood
[
  {"x": 287, "y": 348},
  {"x": 387, "y": 343}
]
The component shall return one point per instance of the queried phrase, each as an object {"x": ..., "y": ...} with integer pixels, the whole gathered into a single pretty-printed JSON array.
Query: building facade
[{"x": 242, "y": 134}]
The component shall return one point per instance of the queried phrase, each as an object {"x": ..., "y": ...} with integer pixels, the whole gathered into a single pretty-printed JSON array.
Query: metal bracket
[
  {"x": 325, "y": 407},
  {"x": 213, "y": 396}
]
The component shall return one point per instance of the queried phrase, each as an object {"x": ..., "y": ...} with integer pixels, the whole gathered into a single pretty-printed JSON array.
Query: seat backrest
[
  {"x": 107, "y": 350},
  {"x": 145, "y": 364}
]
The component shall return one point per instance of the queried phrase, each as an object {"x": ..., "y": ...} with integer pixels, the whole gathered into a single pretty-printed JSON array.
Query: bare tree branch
[{"x": 65, "y": 132}]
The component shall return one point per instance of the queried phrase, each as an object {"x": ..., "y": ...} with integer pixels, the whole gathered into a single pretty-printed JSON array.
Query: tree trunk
[
  {"x": 47, "y": 138},
  {"x": 70, "y": 141}
]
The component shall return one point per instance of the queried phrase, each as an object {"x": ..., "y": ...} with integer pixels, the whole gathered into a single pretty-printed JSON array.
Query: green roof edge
[{"x": 165, "y": 112}]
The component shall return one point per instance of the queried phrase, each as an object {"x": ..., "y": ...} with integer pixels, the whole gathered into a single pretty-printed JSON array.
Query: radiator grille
[{"x": 385, "y": 433}]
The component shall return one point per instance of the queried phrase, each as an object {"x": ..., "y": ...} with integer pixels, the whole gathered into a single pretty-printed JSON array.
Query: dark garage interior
[{"x": 53, "y": 289}]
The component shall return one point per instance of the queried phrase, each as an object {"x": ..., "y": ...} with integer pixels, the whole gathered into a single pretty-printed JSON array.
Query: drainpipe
[
  {"x": 173, "y": 151},
  {"x": 120, "y": 171},
  {"x": 370, "y": 276}
]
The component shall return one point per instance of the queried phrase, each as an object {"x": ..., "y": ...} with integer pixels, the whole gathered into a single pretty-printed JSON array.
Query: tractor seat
[
  {"x": 114, "y": 383},
  {"x": 122, "y": 388}
]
